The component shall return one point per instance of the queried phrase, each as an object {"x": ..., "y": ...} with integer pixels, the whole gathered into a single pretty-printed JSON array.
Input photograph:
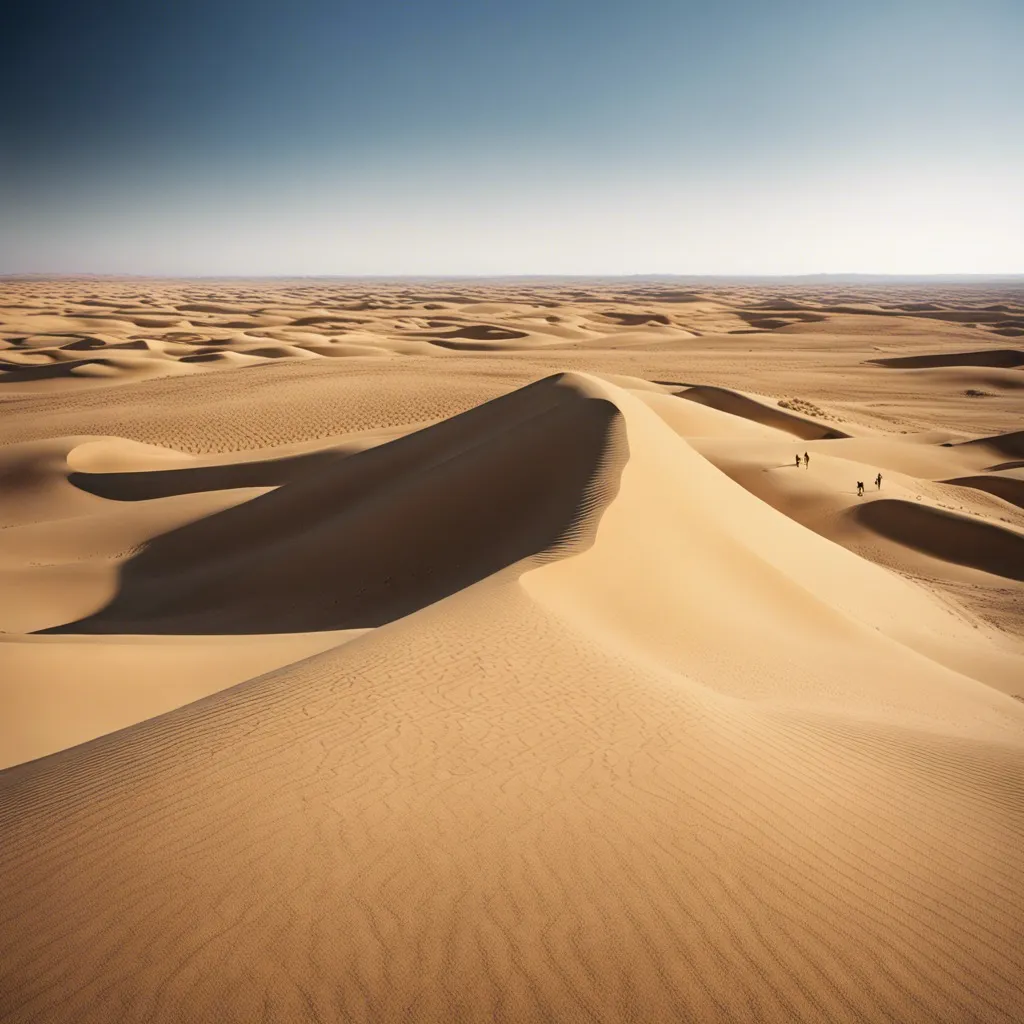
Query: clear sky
[{"x": 512, "y": 136}]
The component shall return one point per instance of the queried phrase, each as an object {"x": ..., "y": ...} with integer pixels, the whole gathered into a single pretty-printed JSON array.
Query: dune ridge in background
[{"x": 505, "y": 665}]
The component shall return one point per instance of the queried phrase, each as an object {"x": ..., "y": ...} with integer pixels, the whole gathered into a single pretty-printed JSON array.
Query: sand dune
[
  {"x": 1009, "y": 488},
  {"x": 328, "y": 549},
  {"x": 947, "y": 535},
  {"x": 824, "y": 499},
  {"x": 510, "y": 683},
  {"x": 1009, "y": 444},
  {"x": 695, "y": 419},
  {"x": 742, "y": 405}
]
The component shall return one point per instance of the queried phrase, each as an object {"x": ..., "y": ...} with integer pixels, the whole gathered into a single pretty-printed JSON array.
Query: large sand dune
[{"x": 508, "y": 667}]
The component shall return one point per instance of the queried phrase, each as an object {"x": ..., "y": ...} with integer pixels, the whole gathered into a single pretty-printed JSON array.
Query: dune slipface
[
  {"x": 530, "y": 689},
  {"x": 334, "y": 548}
]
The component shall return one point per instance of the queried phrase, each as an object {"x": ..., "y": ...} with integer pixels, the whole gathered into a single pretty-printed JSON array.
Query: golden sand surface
[{"x": 490, "y": 651}]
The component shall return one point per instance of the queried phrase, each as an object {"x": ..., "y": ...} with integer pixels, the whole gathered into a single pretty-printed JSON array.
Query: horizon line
[{"x": 838, "y": 276}]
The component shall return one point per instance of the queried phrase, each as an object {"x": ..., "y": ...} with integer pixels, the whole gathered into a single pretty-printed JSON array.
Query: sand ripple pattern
[{"x": 505, "y": 829}]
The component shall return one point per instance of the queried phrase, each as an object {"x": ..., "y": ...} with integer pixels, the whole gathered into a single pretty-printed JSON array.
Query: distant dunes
[{"x": 189, "y": 332}]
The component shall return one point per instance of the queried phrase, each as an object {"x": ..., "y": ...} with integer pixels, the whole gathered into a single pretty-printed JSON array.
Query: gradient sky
[{"x": 208, "y": 137}]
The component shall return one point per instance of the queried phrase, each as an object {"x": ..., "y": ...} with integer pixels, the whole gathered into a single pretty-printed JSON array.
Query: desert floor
[{"x": 478, "y": 651}]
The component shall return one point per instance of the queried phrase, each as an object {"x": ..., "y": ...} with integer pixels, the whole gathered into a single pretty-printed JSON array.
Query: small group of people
[{"x": 860, "y": 485}]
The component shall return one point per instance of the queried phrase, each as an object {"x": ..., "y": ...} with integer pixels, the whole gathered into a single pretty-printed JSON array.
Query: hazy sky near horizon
[{"x": 561, "y": 137}]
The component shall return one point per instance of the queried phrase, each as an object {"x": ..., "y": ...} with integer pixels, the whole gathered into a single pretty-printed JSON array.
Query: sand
[{"x": 477, "y": 651}]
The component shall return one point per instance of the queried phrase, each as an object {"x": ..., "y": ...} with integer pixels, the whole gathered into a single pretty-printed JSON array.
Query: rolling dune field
[{"x": 511, "y": 651}]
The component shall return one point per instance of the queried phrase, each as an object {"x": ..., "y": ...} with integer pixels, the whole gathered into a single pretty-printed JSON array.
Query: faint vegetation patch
[{"x": 802, "y": 405}]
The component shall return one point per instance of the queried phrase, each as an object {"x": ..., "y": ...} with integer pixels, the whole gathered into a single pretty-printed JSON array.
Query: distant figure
[
  {"x": 878, "y": 482},
  {"x": 860, "y": 488},
  {"x": 807, "y": 460},
  {"x": 798, "y": 462}
]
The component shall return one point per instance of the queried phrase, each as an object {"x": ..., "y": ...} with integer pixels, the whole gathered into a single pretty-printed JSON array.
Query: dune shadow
[
  {"x": 1002, "y": 358},
  {"x": 770, "y": 416},
  {"x": 202, "y": 357},
  {"x": 764, "y": 318},
  {"x": 946, "y": 535},
  {"x": 637, "y": 319},
  {"x": 474, "y": 332},
  {"x": 92, "y": 344},
  {"x": 164, "y": 483},
  {"x": 1011, "y": 444},
  {"x": 1006, "y": 487},
  {"x": 360, "y": 541},
  {"x": 12, "y": 374}
]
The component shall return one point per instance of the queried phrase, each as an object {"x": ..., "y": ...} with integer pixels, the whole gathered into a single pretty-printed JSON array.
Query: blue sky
[{"x": 448, "y": 137}]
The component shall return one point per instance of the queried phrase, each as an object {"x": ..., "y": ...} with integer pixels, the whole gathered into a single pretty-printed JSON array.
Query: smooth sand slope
[{"x": 508, "y": 685}]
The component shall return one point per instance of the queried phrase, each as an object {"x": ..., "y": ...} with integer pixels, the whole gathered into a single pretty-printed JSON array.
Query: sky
[{"x": 495, "y": 137}]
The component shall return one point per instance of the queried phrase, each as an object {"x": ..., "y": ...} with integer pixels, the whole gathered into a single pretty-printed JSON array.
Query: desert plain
[{"x": 511, "y": 651}]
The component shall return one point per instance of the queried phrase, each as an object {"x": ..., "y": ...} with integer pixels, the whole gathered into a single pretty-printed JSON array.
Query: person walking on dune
[
  {"x": 798, "y": 462},
  {"x": 807, "y": 461},
  {"x": 860, "y": 488},
  {"x": 878, "y": 482}
]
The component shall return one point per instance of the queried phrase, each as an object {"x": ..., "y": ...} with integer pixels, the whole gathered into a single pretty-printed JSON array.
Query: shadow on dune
[
  {"x": 472, "y": 346},
  {"x": 216, "y": 307},
  {"x": 13, "y": 374},
  {"x": 363, "y": 540},
  {"x": 203, "y": 357},
  {"x": 769, "y": 416},
  {"x": 92, "y": 344},
  {"x": 1011, "y": 444},
  {"x": 758, "y": 317},
  {"x": 637, "y": 319},
  {"x": 1006, "y": 487},
  {"x": 945, "y": 535},
  {"x": 1003, "y": 358},
  {"x": 474, "y": 332},
  {"x": 163, "y": 483},
  {"x": 321, "y": 320}
]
